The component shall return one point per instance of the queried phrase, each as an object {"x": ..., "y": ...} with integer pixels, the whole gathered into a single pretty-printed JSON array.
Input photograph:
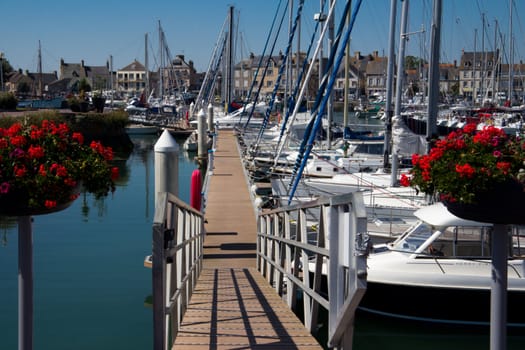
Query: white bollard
[
  {"x": 192, "y": 107},
  {"x": 166, "y": 165},
  {"x": 202, "y": 151},
  {"x": 211, "y": 127}
]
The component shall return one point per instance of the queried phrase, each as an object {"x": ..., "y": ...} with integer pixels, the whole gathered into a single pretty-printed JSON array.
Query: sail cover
[{"x": 405, "y": 142}]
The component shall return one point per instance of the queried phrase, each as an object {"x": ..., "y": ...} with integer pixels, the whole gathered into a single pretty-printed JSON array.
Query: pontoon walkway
[{"x": 233, "y": 306}]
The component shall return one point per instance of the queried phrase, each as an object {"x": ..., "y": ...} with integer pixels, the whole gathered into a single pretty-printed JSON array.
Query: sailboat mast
[
  {"x": 433, "y": 88},
  {"x": 146, "y": 65},
  {"x": 400, "y": 80},
  {"x": 229, "y": 67},
  {"x": 161, "y": 64},
  {"x": 389, "y": 83},
  {"x": 511, "y": 54},
  {"x": 39, "y": 69},
  {"x": 288, "y": 79},
  {"x": 347, "y": 67},
  {"x": 111, "y": 78}
]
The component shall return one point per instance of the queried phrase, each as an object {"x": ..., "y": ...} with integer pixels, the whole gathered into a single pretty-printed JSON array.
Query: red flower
[
  {"x": 49, "y": 204},
  {"x": 114, "y": 173},
  {"x": 35, "y": 151},
  {"x": 465, "y": 170},
  {"x": 504, "y": 167},
  {"x": 404, "y": 180},
  {"x": 42, "y": 170},
  {"x": 78, "y": 137},
  {"x": 18, "y": 141}
]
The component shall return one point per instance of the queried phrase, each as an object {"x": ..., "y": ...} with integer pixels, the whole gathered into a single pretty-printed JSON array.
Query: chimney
[
  {"x": 375, "y": 54},
  {"x": 82, "y": 63},
  {"x": 357, "y": 54}
]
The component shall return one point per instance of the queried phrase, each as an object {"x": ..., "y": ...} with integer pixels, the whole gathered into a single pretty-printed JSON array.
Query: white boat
[
  {"x": 141, "y": 129},
  {"x": 390, "y": 209},
  {"x": 239, "y": 117},
  {"x": 440, "y": 271}
]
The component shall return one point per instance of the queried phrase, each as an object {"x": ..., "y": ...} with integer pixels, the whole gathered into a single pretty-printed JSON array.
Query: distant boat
[{"x": 141, "y": 129}]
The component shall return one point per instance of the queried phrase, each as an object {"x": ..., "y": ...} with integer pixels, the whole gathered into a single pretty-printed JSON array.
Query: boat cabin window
[
  {"x": 413, "y": 238},
  {"x": 462, "y": 242},
  {"x": 369, "y": 148}
]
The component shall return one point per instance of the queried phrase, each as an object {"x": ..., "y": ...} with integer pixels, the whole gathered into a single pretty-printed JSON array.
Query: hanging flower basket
[
  {"x": 478, "y": 174},
  {"x": 16, "y": 203},
  {"x": 44, "y": 167}
]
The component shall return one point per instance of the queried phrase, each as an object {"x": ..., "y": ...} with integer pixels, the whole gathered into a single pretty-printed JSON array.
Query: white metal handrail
[
  {"x": 177, "y": 253},
  {"x": 324, "y": 259}
]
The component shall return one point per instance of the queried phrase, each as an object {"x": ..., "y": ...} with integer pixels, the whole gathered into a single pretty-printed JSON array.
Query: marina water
[{"x": 91, "y": 288}]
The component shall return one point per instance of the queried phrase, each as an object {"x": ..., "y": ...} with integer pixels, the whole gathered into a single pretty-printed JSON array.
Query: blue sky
[{"x": 95, "y": 30}]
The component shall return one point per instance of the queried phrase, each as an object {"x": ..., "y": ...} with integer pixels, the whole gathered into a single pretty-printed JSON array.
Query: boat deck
[{"x": 233, "y": 307}]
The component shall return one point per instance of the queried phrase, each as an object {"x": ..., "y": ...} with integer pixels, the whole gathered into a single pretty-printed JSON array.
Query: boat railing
[
  {"x": 177, "y": 253},
  {"x": 325, "y": 260}
]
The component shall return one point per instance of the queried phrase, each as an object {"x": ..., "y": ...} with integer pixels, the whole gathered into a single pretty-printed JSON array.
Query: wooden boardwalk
[{"x": 233, "y": 307}]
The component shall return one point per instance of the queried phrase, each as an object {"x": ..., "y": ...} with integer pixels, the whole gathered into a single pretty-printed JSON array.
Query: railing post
[
  {"x": 348, "y": 250},
  {"x": 159, "y": 284}
]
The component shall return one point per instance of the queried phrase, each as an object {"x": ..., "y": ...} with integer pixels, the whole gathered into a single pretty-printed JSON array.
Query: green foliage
[
  {"x": 412, "y": 62},
  {"x": 23, "y": 88},
  {"x": 83, "y": 85},
  {"x": 8, "y": 101},
  {"x": 454, "y": 89},
  {"x": 6, "y": 66}
]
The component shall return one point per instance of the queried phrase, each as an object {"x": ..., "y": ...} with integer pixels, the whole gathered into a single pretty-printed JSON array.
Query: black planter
[
  {"x": 84, "y": 107},
  {"x": 98, "y": 103},
  {"x": 15, "y": 203},
  {"x": 504, "y": 204}
]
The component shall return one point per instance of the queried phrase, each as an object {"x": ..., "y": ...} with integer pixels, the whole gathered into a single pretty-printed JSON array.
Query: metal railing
[
  {"x": 324, "y": 259},
  {"x": 177, "y": 252}
]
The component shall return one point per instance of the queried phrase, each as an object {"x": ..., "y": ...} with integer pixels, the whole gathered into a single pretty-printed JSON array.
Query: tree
[
  {"x": 454, "y": 89},
  {"x": 6, "y": 67},
  {"x": 412, "y": 62},
  {"x": 23, "y": 88},
  {"x": 83, "y": 85}
]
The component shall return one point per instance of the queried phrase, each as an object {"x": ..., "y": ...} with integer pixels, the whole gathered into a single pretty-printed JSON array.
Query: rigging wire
[
  {"x": 268, "y": 60},
  {"x": 322, "y": 94},
  {"x": 328, "y": 91},
  {"x": 280, "y": 74},
  {"x": 256, "y": 74}
]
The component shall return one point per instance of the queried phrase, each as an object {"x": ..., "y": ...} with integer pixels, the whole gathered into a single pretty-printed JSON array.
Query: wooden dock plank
[
  {"x": 233, "y": 306},
  {"x": 236, "y": 309}
]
